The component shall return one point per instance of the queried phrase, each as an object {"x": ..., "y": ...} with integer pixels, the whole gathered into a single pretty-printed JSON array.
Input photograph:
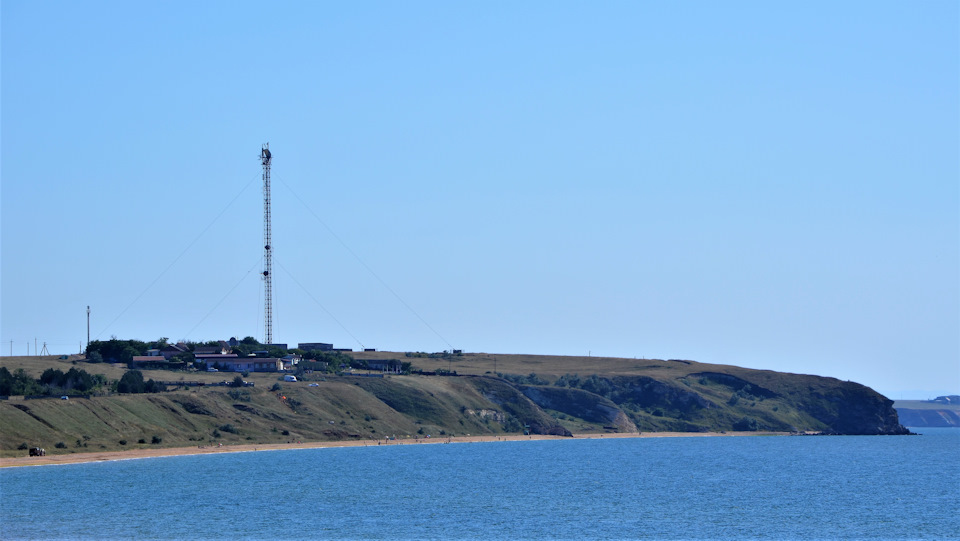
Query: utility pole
[{"x": 88, "y": 325}]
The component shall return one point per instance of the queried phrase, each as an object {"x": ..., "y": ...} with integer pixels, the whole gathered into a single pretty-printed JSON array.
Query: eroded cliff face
[
  {"x": 716, "y": 401},
  {"x": 578, "y": 403},
  {"x": 515, "y": 403},
  {"x": 851, "y": 408}
]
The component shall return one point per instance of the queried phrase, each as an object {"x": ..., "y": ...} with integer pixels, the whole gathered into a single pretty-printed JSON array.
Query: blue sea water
[{"x": 870, "y": 487}]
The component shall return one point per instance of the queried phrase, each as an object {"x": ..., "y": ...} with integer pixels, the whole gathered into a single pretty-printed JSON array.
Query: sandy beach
[{"x": 76, "y": 458}]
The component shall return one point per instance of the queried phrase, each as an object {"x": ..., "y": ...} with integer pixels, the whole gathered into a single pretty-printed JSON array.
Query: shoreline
[{"x": 108, "y": 456}]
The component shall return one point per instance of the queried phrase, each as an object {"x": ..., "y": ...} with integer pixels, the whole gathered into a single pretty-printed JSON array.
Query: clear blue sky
[{"x": 766, "y": 184}]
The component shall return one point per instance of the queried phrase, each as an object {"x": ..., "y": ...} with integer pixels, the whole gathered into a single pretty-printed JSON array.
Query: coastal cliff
[{"x": 482, "y": 394}]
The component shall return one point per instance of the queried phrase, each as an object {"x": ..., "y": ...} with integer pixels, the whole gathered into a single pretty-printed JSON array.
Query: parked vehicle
[
  {"x": 36, "y": 451},
  {"x": 289, "y": 378}
]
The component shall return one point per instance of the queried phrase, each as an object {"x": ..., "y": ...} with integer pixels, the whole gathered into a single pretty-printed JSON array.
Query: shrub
[
  {"x": 131, "y": 382},
  {"x": 156, "y": 440},
  {"x": 228, "y": 428},
  {"x": 745, "y": 424},
  {"x": 216, "y": 433},
  {"x": 60, "y": 445},
  {"x": 123, "y": 442},
  {"x": 286, "y": 432},
  {"x": 141, "y": 440},
  {"x": 23, "y": 447},
  {"x": 276, "y": 387}
]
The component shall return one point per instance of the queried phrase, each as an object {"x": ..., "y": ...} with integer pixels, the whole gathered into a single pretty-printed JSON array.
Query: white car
[{"x": 313, "y": 385}]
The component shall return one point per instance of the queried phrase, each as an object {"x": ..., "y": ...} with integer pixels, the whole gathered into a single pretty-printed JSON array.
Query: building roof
[{"x": 206, "y": 350}]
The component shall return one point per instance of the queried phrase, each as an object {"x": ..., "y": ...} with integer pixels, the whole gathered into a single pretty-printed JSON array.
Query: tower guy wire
[
  {"x": 178, "y": 258},
  {"x": 364, "y": 265},
  {"x": 322, "y": 307},
  {"x": 242, "y": 278}
]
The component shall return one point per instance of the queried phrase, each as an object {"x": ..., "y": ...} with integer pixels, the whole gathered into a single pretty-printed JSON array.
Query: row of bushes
[
  {"x": 74, "y": 382},
  {"x": 51, "y": 383}
]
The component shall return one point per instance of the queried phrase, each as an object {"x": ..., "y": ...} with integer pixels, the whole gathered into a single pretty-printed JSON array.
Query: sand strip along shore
[{"x": 76, "y": 458}]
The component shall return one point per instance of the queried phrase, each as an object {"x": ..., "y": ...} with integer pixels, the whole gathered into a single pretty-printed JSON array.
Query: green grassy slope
[{"x": 624, "y": 395}]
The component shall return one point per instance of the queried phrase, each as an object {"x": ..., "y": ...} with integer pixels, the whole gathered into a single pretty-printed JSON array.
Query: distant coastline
[{"x": 943, "y": 411}]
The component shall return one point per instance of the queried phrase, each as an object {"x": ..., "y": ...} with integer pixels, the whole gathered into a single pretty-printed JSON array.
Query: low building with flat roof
[{"x": 315, "y": 346}]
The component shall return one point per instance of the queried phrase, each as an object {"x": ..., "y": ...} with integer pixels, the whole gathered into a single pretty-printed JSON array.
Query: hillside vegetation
[{"x": 490, "y": 394}]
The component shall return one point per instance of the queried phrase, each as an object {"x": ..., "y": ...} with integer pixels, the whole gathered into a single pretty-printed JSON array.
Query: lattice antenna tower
[{"x": 265, "y": 158}]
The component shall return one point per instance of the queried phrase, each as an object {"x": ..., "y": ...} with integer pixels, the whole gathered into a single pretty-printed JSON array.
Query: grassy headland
[{"x": 490, "y": 395}]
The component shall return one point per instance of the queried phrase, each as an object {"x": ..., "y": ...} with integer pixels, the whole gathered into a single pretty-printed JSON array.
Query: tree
[
  {"x": 52, "y": 376},
  {"x": 237, "y": 382},
  {"x": 79, "y": 380},
  {"x": 117, "y": 351},
  {"x": 131, "y": 382},
  {"x": 19, "y": 383},
  {"x": 6, "y": 382}
]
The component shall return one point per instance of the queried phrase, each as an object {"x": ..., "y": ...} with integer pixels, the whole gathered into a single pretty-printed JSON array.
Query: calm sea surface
[{"x": 891, "y": 487}]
